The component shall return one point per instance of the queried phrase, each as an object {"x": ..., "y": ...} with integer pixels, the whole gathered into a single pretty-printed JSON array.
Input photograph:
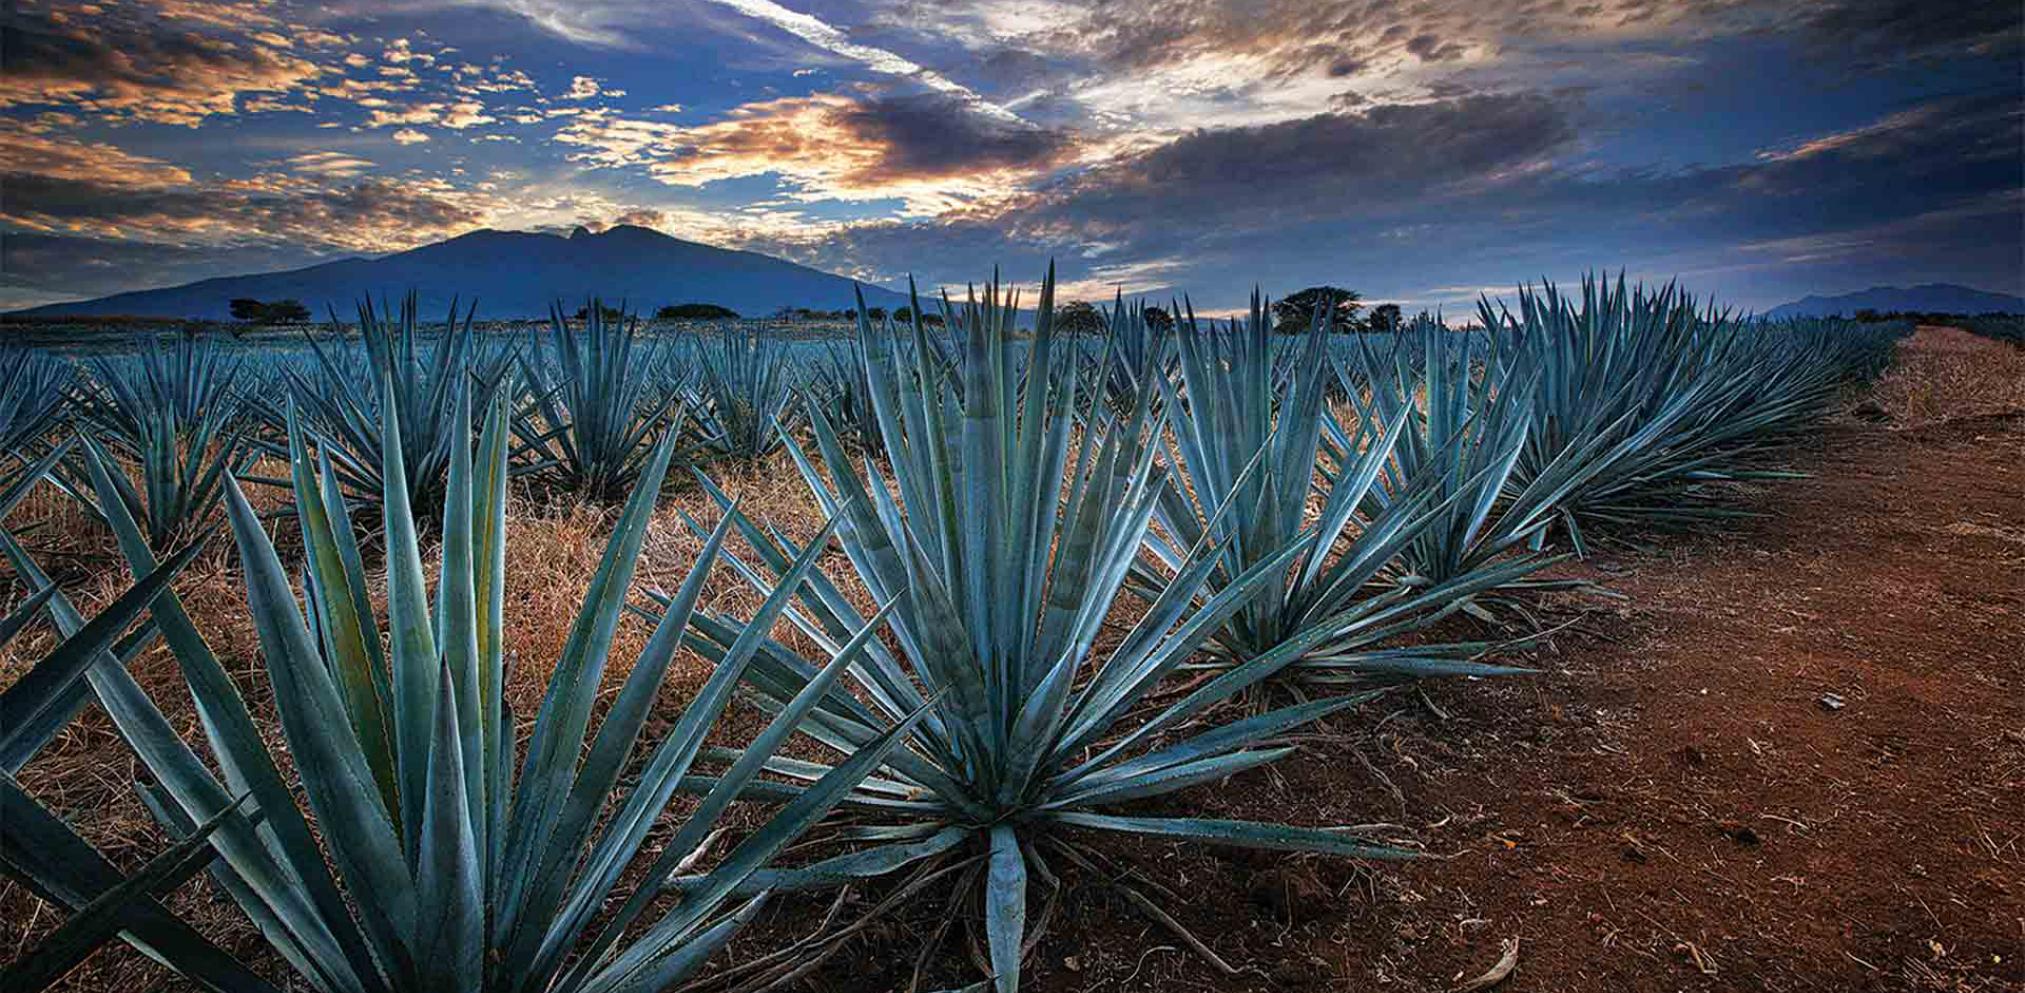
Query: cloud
[
  {"x": 1135, "y": 60},
  {"x": 1865, "y": 138},
  {"x": 1886, "y": 31},
  {"x": 1209, "y": 193},
  {"x": 581, "y": 88},
  {"x": 1909, "y": 159},
  {"x": 1319, "y": 168},
  {"x": 584, "y": 22},
  {"x": 366, "y": 215},
  {"x": 141, "y": 69},
  {"x": 455, "y": 115},
  {"x": 409, "y": 136},
  {"x": 62, "y": 186},
  {"x": 933, "y": 151},
  {"x": 1131, "y": 66},
  {"x": 402, "y": 51},
  {"x": 69, "y": 159},
  {"x": 330, "y": 165},
  {"x": 231, "y": 15},
  {"x": 820, "y": 34},
  {"x": 930, "y": 135}
]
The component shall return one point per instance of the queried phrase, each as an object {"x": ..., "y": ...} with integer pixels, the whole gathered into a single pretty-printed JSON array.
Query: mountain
[
  {"x": 1929, "y": 298},
  {"x": 514, "y": 274}
]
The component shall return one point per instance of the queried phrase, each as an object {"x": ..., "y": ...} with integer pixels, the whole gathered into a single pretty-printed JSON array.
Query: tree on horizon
[
  {"x": 1296, "y": 313},
  {"x": 286, "y": 311},
  {"x": 1385, "y": 317},
  {"x": 1080, "y": 317}
]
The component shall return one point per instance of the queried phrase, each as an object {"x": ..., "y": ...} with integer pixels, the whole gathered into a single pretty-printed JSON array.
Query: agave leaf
[
  {"x": 40, "y": 850},
  {"x": 336, "y": 590},
  {"x": 23, "y": 614},
  {"x": 44, "y": 686},
  {"x": 1005, "y": 908},
  {"x": 863, "y": 864},
  {"x": 451, "y": 939},
  {"x": 1242, "y": 834},
  {"x": 358, "y": 830},
  {"x": 99, "y": 921}
]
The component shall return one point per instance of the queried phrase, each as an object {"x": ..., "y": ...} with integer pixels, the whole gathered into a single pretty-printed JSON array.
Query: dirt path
[{"x": 1671, "y": 806}]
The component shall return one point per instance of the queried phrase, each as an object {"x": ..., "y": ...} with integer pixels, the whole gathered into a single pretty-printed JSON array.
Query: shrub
[
  {"x": 695, "y": 312},
  {"x": 269, "y": 312}
]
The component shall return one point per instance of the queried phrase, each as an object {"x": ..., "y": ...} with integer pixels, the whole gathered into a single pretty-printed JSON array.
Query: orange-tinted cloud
[
  {"x": 932, "y": 151},
  {"x": 23, "y": 151},
  {"x": 148, "y": 70},
  {"x": 61, "y": 185}
]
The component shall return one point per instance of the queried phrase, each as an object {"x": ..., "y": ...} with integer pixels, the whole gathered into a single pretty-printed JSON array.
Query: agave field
[{"x": 1061, "y": 584}]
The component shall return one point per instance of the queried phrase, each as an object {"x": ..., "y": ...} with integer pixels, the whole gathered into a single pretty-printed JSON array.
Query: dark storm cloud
[
  {"x": 1326, "y": 166},
  {"x": 1213, "y": 186},
  {"x": 1886, "y": 31},
  {"x": 934, "y": 134}
]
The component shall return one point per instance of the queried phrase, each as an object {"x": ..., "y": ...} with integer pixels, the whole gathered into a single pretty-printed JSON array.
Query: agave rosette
[
  {"x": 342, "y": 400},
  {"x": 1263, "y": 491},
  {"x": 745, "y": 395},
  {"x": 177, "y": 415},
  {"x": 589, "y": 420},
  {"x": 1643, "y": 400},
  {"x": 1466, "y": 420},
  {"x": 999, "y": 542}
]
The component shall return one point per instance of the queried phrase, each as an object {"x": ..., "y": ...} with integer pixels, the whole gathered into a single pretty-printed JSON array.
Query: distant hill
[
  {"x": 514, "y": 274},
  {"x": 1930, "y": 298}
]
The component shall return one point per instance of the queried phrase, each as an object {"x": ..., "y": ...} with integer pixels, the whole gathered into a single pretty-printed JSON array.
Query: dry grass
[{"x": 1951, "y": 375}]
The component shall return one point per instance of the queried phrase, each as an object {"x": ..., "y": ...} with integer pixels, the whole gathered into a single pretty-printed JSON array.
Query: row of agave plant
[
  {"x": 1288, "y": 511},
  {"x": 587, "y": 405}
]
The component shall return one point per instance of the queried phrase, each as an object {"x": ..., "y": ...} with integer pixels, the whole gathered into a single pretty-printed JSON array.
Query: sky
[{"x": 1423, "y": 152}]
